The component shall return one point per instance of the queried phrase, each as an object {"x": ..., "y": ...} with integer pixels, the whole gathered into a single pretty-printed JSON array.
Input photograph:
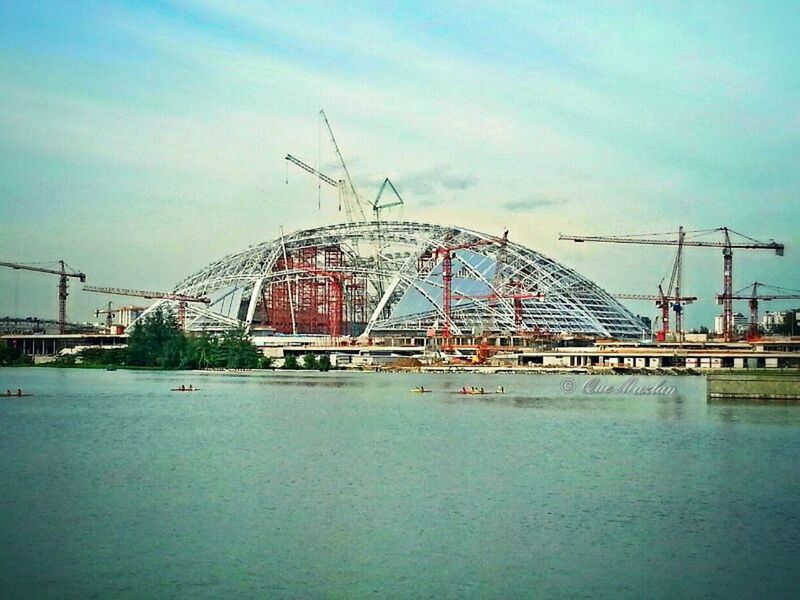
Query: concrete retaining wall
[{"x": 754, "y": 386}]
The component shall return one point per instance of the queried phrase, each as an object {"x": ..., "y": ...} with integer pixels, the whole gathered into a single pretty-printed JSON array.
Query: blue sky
[{"x": 142, "y": 140}]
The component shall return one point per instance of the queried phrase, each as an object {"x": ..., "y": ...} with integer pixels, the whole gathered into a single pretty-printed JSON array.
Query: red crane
[
  {"x": 727, "y": 245},
  {"x": 62, "y": 286},
  {"x": 663, "y": 301},
  {"x": 754, "y": 297},
  {"x": 672, "y": 297},
  {"x": 181, "y": 299},
  {"x": 517, "y": 297},
  {"x": 446, "y": 252}
]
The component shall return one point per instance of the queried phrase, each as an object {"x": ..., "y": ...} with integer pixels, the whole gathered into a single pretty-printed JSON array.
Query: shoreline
[{"x": 461, "y": 369}]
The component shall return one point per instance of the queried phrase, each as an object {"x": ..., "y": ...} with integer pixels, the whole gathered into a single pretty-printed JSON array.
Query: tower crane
[
  {"x": 663, "y": 301},
  {"x": 109, "y": 313},
  {"x": 727, "y": 244},
  {"x": 181, "y": 299},
  {"x": 516, "y": 297},
  {"x": 672, "y": 297},
  {"x": 754, "y": 297},
  {"x": 62, "y": 286}
]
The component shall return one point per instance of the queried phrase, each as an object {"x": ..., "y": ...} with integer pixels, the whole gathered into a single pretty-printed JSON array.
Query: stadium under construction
[
  {"x": 411, "y": 287},
  {"x": 399, "y": 279}
]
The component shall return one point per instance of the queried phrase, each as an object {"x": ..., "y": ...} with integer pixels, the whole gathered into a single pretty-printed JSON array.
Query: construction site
[{"x": 372, "y": 289}]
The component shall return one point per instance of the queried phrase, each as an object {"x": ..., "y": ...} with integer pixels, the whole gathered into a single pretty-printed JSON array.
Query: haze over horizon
[{"x": 140, "y": 141}]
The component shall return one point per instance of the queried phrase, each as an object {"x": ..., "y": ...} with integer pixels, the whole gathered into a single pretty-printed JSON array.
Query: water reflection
[
  {"x": 671, "y": 409},
  {"x": 755, "y": 412}
]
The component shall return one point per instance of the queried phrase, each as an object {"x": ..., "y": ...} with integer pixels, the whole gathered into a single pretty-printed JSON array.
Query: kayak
[
  {"x": 15, "y": 395},
  {"x": 185, "y": 390},
  {"x": 421, "y": 391}
]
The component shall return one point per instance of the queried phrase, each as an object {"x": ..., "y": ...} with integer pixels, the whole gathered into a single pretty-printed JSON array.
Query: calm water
[{"x": 349, "y": 486}]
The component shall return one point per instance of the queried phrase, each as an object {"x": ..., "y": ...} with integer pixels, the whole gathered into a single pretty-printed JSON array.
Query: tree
[
  {"x": 290, "y": 362},
  {"x": 237, "y": 351},
  {"x": 11, "y": 355},
  {"x": 324, "y": 363},
  {"x": 156, "y": 341},
  {"x": 790, "y": 325},
  {"x": 310, "y": 362}
]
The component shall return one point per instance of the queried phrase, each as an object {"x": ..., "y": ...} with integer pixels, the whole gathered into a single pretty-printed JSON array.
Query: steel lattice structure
[{"x": 386, "y": 277}]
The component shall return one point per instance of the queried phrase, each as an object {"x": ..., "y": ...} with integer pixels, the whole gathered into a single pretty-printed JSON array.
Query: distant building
[
  {"x": 128, "y": 314},
  {"x": 770, "y": 319},
  {"x": 740, "y": 323}
]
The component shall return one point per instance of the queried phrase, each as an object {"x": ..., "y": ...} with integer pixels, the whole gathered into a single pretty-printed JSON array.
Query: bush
[
  {"x": 11, "y": 356},
  {"x": 310, "y": 362}
]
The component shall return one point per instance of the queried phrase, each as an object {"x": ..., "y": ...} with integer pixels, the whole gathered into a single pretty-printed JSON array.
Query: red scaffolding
[{"x": 310, "y": 297}]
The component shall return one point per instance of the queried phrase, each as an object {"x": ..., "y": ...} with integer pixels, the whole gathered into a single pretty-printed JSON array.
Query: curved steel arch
[{"x": 386, "y": 254}]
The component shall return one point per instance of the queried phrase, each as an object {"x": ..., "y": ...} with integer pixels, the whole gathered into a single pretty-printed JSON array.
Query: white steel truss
[{"x": 404, "y": 283}]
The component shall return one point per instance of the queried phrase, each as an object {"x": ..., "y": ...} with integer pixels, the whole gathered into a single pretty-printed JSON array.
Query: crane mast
[
  {"x": 63, "y": 286},
  {"x": 727, "y": 245},
  {"x": 446, "y": 252},
  {"x": 753, "y": 298},
  {"x": 109, "y": 313}
]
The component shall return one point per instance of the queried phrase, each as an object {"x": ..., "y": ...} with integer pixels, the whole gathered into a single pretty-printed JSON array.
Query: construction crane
[
  {"x": 181, "y": 299},
  {"x": 346, "y": 188},
  {"x": 516, "y": 297},
  {"x": 62, "y": 286},
  {"x": 727, "y": 244},
  {"x": 350, "y": 187},
  {"x": 338, "y": 184},
  {"x": 671, "y": 298},
  {"x": 754, "y": 297},
  {"x": 663, "y": 301},
  {"x": 344, "y": 192},
  {"x": 109, "y": 313},
  {"x": 446, "y": 253},
  {"x": 349, "y": 196}
]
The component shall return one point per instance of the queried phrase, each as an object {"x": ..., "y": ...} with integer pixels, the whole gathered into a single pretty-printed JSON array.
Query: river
[{"x": 348, "y": 485}]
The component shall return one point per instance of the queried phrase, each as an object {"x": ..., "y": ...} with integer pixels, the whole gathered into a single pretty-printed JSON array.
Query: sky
[{"x": 140, "y": 141}]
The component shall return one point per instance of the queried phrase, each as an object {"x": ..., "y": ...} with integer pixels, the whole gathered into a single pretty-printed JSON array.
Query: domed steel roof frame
[{"x": 387, "y": 254}]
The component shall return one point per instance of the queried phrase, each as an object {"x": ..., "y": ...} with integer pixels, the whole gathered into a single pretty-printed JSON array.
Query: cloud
[
  {"x": 438, "y": 179},
  {"x": 530, "y": 203}
]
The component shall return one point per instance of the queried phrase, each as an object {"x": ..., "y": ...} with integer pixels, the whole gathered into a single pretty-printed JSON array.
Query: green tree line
[{"x": 158, "y": 341}]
